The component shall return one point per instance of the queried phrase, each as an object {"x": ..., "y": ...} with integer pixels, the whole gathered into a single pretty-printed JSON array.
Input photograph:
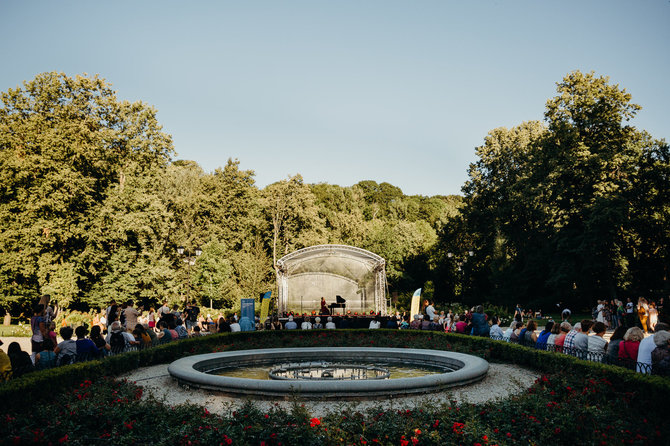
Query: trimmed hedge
[{"x": 36, "y": 386}]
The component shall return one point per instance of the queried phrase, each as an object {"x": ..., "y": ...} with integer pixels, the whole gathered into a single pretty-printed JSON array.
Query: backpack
[{"x": 117, "y": 342}]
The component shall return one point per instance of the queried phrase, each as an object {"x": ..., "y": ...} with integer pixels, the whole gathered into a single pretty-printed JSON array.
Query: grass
[{"x": 19, "y": 331}]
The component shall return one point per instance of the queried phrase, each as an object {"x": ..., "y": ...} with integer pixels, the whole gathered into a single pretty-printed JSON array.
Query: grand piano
[{"x": 339, "y": 303}]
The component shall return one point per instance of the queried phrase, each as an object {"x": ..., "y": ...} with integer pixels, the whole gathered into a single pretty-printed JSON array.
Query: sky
[{"x": 344, "y": 91}]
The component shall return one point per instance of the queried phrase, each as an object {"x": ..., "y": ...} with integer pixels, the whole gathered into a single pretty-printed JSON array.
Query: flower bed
[{"x": 574, "y": 401}]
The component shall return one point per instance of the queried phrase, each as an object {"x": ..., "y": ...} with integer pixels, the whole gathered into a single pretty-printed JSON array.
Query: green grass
[{"x": 22, "y": 331}]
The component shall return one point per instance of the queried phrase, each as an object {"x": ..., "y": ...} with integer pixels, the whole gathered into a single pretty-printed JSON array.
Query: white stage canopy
[{"x": 307, "y": 275}]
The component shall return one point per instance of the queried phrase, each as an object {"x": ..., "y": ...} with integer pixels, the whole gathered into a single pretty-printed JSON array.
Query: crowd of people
[
  {"x": 122, "y": 327},
  {"x": 118, "y": 329}
]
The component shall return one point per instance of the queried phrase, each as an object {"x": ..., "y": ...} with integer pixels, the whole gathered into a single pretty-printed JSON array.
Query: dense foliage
[
  {"x": 93, "y": 204},
  {"x": 573, "y": 209},
  {"x": 573, "y": 402}
]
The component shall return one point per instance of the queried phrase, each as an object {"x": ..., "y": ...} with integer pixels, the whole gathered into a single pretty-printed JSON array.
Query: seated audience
[
  {"x": 496, "y": 332},
  {"x": 660, "y": 356},
  {"x": 629, "y": 347},
  {"x": 291, "y": 325},
  {"x": 86, "y": 348},
  {"x": 66, "y": 351},
  {"x": 542, "y": 338},
  {"x": 21, "y": 362},
  {"x": 613, "y": 346},
  {"x": 46, "y": 359},
  {"x": 646, "y": 347},
  {"x": 597, "y": 345}
]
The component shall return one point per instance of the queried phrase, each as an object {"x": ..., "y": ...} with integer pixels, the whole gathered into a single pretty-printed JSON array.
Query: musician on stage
[{"x": 324, "y": 307}]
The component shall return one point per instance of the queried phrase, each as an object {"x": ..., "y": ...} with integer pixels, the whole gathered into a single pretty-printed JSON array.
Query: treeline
[
  {"x": 94, "y": 203},
  {"x": 93, "y": 207},
  {"x": 573, "y": 209}
]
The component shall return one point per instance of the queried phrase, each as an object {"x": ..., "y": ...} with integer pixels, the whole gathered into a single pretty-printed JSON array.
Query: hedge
[{"x": 27, "y": 390}]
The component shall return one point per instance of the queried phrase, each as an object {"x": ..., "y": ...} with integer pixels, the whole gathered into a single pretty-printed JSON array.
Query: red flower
[
  {"x": 509, "y": 435},
  {"x": 63, "y": 440},
  {"x": 314, "y": 422},
  {"x": 436, "y": 423},
  {"x": 417, "y": 431}
]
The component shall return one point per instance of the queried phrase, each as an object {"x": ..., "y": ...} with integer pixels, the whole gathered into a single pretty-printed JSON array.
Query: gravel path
[{"x": 502, "y": 381}]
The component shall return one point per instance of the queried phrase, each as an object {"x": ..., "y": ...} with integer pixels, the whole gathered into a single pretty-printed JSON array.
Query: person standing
[
  {"x": 630, "y": 313},
  {"x": 163, "y": 310},
  {"x": 38, "y": 327},
  {"x": 518, "y": 313},
  {"x": 643, "y": 313},
  {"x": 430, "y": 310},
  {"x": 565, "y": 315},
  {"x": 112, "y": 313},
  {"x": 131, "y": 315},
  {"x": 49, "y": 312},
  {"x": 191, "y": 313}
]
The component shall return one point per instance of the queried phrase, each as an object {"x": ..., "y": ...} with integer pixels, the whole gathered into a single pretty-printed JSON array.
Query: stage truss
[{"x": 306, "y": 275}]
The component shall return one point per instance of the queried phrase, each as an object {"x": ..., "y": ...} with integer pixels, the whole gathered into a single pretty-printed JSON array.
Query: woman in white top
[
  {"x": 601, "y": 312},
  {"x": 374, "y": 324},
  {"x": 555, "y": 330},
  {"x": 306, "y": 325},
  {"x": 508, "y": 332},
  {"x": 496, "y": 332}
]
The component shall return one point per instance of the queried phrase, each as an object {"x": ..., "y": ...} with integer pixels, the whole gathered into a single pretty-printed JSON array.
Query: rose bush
[{"x": 579, "y": 404}]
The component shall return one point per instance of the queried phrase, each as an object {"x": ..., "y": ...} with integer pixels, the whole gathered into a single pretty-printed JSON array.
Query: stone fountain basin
[{"x": 192, "y": 371}]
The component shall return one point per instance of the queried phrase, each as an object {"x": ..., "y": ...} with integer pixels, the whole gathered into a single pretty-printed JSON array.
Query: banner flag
[
  {"x": 265, "y": 306},
  {"x": 415, "y": 304}
]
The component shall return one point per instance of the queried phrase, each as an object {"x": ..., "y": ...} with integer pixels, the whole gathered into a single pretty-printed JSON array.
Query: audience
[
  {"x": 21, "y": 362},
  {"x": 627, "y": 347},
  {"x": 46, "y": 359}
]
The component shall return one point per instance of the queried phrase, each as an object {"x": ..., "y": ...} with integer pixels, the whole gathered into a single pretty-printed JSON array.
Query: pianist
[{"x": 324, "y": 307}]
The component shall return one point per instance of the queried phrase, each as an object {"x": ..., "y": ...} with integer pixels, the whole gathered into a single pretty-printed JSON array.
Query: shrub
[{"x": 573, "y": 401}]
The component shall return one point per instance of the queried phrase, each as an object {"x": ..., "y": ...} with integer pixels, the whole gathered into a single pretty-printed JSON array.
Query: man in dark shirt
[{"x": 191, "y": 313}]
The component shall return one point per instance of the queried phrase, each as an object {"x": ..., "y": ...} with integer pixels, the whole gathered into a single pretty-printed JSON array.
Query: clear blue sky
[{"x": 343, "y": 91}]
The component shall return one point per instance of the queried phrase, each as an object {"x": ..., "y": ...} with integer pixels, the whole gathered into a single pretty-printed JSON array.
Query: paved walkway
[{"x": 23, "y": 342}]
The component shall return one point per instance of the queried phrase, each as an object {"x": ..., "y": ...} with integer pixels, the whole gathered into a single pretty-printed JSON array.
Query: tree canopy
[
  {"x": 569, "y": 210},
  {"x": 93, "y": 206}
]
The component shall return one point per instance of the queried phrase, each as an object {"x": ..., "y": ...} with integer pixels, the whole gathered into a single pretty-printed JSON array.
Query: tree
[
  {"x": 64, "y": 144},
  {"x": 552, "y": 210},
  {"x": 291, "y": 216}
]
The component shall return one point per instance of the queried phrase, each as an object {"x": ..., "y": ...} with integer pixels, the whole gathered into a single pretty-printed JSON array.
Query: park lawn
[{"x": 18, "y": 331}]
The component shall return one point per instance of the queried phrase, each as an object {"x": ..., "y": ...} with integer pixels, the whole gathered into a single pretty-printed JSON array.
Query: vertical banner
[
  {"x": 414, "y": 309},
  {"x": 265, "y": 306},
  {"x": 248, "y": 309}
]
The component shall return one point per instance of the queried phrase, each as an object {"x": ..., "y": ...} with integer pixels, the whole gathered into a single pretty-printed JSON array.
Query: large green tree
[
  {"x": 553, "y": 211},
  {"x": 65, "y": 144}
]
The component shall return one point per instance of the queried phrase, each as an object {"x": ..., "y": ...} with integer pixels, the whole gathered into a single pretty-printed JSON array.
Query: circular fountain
[{"x": 328, "y": 373}]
